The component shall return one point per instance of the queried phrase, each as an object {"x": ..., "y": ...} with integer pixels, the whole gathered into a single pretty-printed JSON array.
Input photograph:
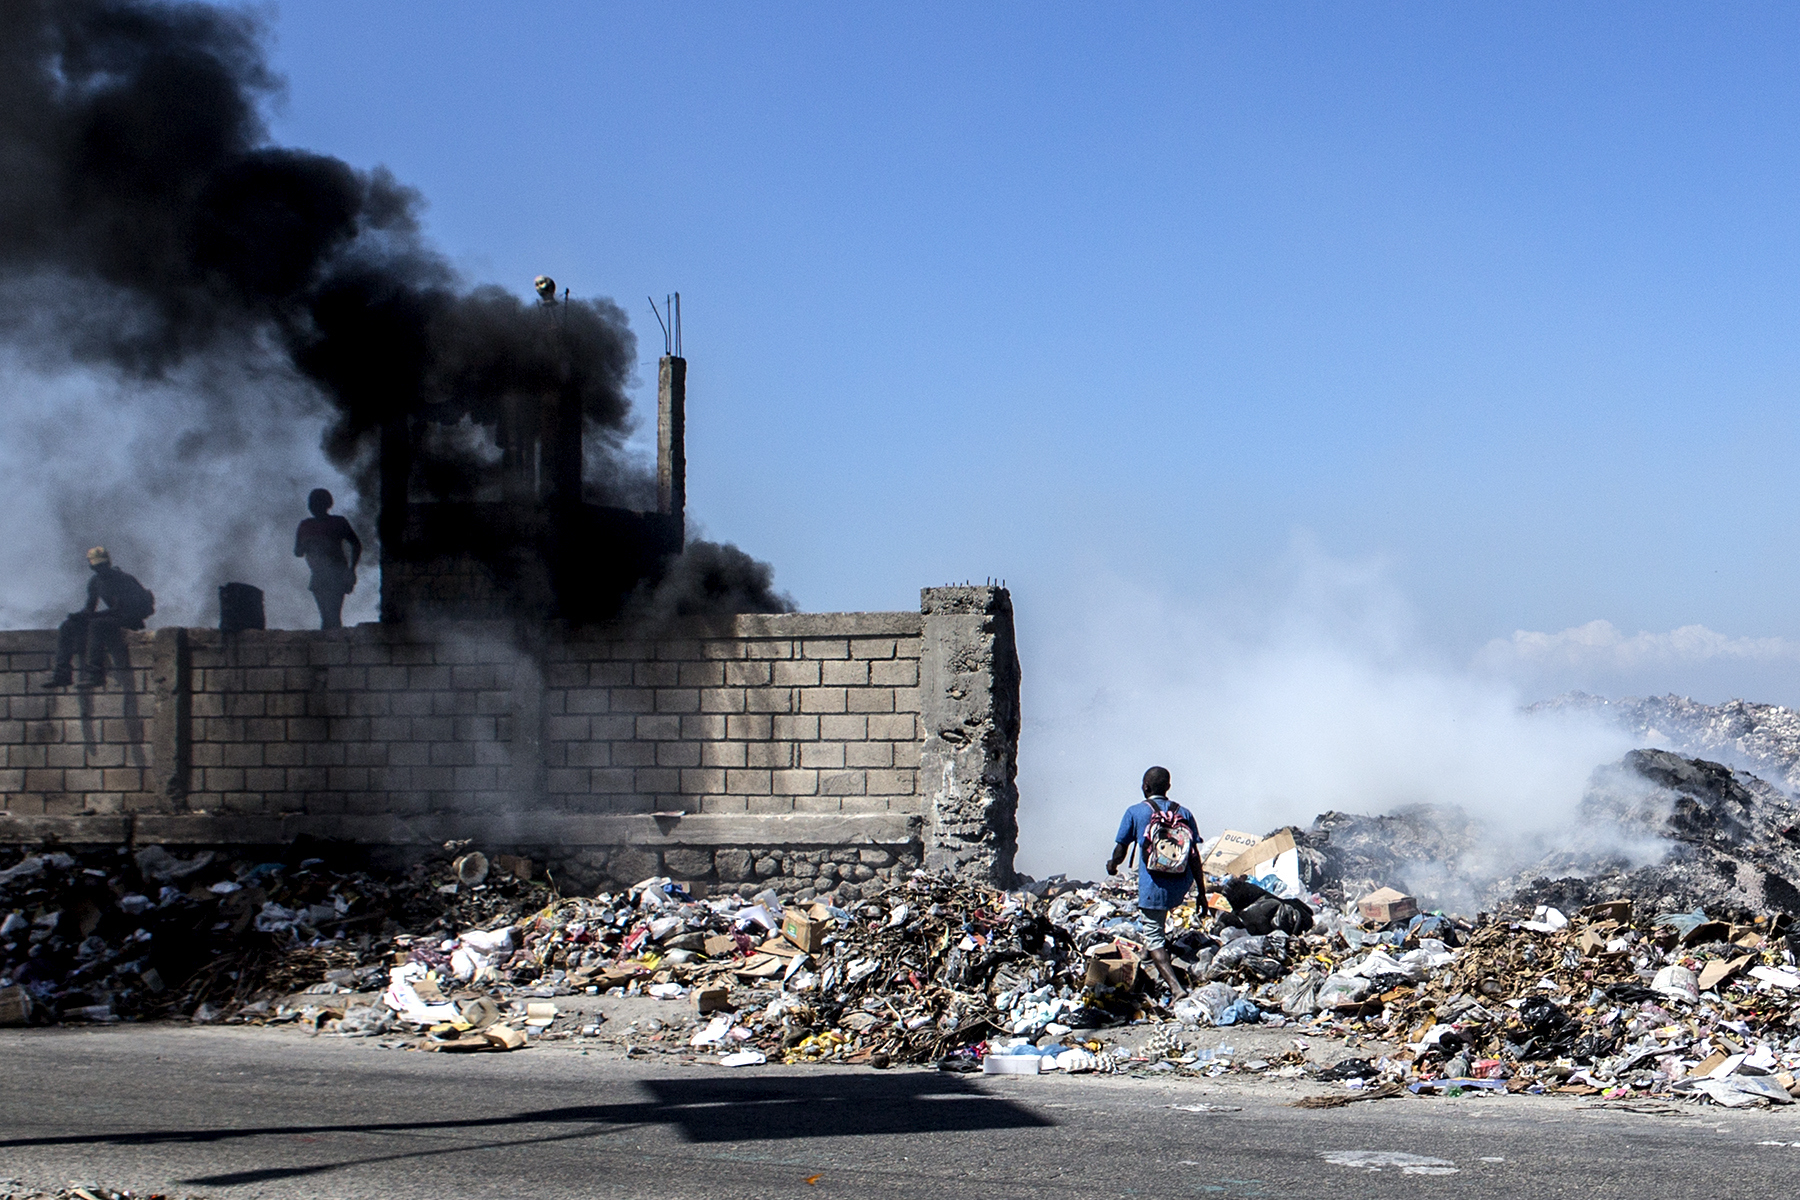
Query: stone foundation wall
[{"x": 805, "y": 750}]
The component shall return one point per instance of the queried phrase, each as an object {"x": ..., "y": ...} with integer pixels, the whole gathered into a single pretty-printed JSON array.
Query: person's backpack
[
  {"x": 136, "y": 602},
  {"x": 1168, "y": 843}
]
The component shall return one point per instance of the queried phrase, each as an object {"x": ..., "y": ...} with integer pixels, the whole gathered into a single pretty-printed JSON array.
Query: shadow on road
[{"x": 737, "y": 1109}]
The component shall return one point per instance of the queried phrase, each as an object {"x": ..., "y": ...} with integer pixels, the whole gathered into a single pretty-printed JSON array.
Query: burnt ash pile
[{"x": 1669, "y": 832}]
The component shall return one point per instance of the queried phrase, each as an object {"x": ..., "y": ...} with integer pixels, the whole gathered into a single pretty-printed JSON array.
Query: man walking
[
  {"x": 1168, "y": 842},
  {"x": 320, "y": 540},
  {"x": 94, "y": 632}
]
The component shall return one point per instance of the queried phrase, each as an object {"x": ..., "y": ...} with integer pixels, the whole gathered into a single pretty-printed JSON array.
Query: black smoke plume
[{"x": 150, "y": 231}]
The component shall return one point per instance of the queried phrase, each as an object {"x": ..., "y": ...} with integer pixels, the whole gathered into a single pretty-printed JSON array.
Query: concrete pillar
[
  {"x": 171, "y": 729},
  {"x": 671, "y": 436},
  {"x": 969, "y": 696}
]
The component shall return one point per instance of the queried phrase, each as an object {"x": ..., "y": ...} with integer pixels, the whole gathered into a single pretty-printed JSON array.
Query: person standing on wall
[
  {"x": 1168, "y": 842},
  {"x": 320, "y": 540}
]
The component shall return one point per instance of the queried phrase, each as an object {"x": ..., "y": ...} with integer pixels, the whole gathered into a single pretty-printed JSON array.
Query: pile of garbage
[
  {"x": 104, "y": 935},
  {"x": 467, "y": 953}
]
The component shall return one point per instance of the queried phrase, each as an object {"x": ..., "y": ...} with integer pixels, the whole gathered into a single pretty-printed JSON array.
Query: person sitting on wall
[
  {"x": 96, "y": 632},
  {"x": 320, "y": 541}
]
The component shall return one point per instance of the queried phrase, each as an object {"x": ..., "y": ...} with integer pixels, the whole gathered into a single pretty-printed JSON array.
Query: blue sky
[{"x": 1490, "y": 310}]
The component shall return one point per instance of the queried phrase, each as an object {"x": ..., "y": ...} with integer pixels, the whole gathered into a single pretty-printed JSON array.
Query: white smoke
[
  {"x": 187, "y": 492},
  {"x": 1271, "y": 713}
]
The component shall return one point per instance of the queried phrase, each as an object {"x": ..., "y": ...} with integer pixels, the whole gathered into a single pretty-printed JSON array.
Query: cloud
[
  {"x": 1692, "y": 661},
  {"x": 1600, "y": 644}
]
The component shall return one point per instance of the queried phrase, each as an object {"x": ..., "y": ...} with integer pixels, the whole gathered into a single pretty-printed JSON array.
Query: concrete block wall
[{"x": 759, "y": 749}]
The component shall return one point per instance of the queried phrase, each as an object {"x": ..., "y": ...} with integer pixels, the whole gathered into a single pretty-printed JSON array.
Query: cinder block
[
  {"x": 323, "y": 754},
  {"x": 750, "y": 727},
  {"x": 609, "y": 674},
  {"x": 847, "y": 672},
  {"x": 843, "y": 783},
  {"x": 68, "y": 755},
  {"x": 661, "y": 727},
  {"x": 845, "y": 728},
  {"x": 770, "y": 649},
  {"x": 795, "y": 673},
  {"x": 433, "y": 729},
  {"x": 749, "y": 674},
  {"x": 816, "y": 804},
  {"x": 737, "y": 783},
  {"x": 434, "y": 678},
  {"x": 897, "y": 727},
  {"x": 678, "y": 754},
  {"x": 796, "y": 728},
  {"x": 906, "y": 754},
  {"x": 224, "y": 779},
  {"x": 702, "y": 674},
  {"x": 823, "y": 755},
  {"x": 867, "y": 754},
  {"x": 768, "y": 700},
  {"x": 907, "y": 700},
  {"x": 243, "y": 754},
  {"x": 796, "y": 781},
  {"x": 721, "y": 754},
  {"x": 870, "y": 700},
  {"x": 472, "y": 729},
  {"x": 909, "y": 647},
  {"x": 610, "y": 727},
  {"x": 778, "y": 755},
  {"x": 349, "y": 779},
  {"x": 822, "y": 700},
  {"x": 902, "y": 672},
  {"x": 865, "y": 804},
  {"x": 658, "y": 779},
  {"x": 634, "y": 754},
  {"x": 703, "y": 781},
  {"x": 678, "y": 649},
  {"x": 261, "y": 779},
  {"x": 294, "y": 729},
  {"x": 587, "y": 754},
  {"x": 387, "y": 679},
  {"x": 871, "y": 647},
  {"x": 610, "y": 781},
  {"x": 722, "y": 648},
  {"x": 83, "y": 780},
  {"x": 101, "y": 755},
  {"x": 769, "y": 804},
  {"x": 710, "y": 803},
  {"x": 701, "y": 727},
  {"x": 677, "y": 700},
  {"x": 449, "y": 754},
  {"x": 656, "y": 674},
  {"x": 633, "y": 700},
  {"x": 826, "y": 648},
  {"x": 285, "y": 704},
  {"x": 891, "y": 783},
  {"x": 584, "y": 700}
]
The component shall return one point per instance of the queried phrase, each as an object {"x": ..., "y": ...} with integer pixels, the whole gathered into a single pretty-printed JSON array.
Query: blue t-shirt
[{"x": 1156, "y": 891}]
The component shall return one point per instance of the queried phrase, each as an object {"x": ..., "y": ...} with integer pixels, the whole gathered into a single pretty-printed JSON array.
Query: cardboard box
[
  {"x": 1385, "y": 905},
  {"x": 711, "y": 999},
  {"x": 1112, "y": 964},
  {"x": 1226, "y": 849},
  {"x": 1618, "y": 911},
  {"x": 802, "y": 929}
]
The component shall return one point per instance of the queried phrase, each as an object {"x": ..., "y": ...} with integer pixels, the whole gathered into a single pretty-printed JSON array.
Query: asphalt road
[{"x": 240, "y": 1113}]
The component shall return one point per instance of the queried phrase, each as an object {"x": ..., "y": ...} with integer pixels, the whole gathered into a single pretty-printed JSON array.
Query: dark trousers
[{"x": 93, "y": 636}]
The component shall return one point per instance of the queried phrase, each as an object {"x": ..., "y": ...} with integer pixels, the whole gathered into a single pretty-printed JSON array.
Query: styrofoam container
[{"x": 1011, "y": 1064}]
